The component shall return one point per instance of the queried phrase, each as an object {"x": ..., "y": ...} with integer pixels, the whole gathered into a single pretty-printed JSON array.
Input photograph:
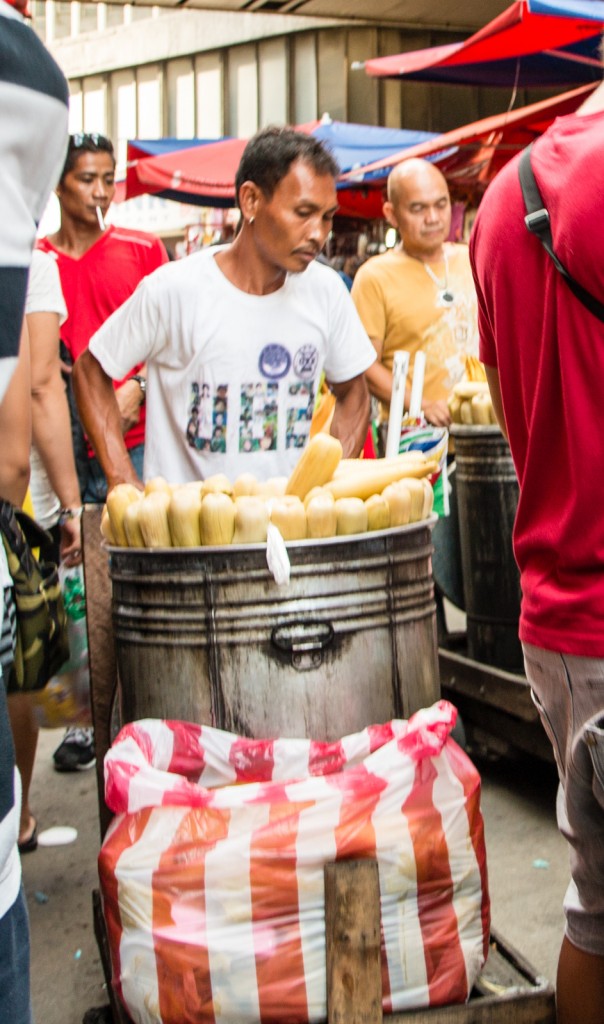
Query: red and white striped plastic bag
[{"x": 212, "y": 871}]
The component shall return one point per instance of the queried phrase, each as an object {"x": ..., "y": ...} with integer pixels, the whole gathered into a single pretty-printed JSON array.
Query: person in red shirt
[
  {"x": 99, "y": 267},
  {"x": 544, "y": 357}
]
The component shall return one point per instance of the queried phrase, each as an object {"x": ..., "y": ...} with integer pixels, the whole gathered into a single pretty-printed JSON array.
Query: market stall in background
[
  {"x": 201, "y": 173},
  {"x": 533, "y": 42}
]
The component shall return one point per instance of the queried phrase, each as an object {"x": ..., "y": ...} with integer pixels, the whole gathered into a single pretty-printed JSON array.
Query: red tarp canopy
[
  {"x": 203, "y": 172},
  {"x": 530, "y": 44},
  {"x": 472, "y": 155},
  {"x": 205, "y": 169}
]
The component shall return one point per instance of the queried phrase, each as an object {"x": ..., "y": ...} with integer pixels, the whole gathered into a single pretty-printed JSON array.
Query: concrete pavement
[{"x": 67, "y": 978}]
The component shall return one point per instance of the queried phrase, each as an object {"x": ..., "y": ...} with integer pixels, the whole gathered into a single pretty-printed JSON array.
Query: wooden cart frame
[
  {"x": 508, "y": 991},
  {"x": 496, "y": 707}
]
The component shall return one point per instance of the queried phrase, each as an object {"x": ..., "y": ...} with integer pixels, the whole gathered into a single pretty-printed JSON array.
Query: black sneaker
[{"x": 76, "y": 752}]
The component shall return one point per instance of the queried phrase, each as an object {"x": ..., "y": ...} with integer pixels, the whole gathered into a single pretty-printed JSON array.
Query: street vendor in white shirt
[{"x": 235, "y": 338}]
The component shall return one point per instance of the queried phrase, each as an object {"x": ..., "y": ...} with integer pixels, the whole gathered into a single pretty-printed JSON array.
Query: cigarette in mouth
[{"x": 100, "y": 218}]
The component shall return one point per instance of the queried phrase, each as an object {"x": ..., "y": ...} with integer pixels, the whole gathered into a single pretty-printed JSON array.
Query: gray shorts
[{"x": 569, "y": 694}]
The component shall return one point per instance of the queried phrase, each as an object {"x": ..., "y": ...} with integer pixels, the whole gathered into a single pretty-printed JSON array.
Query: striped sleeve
[{"x": 33, "y": 139}]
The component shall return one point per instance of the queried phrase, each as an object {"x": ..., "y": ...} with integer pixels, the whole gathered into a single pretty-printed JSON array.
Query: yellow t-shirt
[{"x": 398, "y": 302}]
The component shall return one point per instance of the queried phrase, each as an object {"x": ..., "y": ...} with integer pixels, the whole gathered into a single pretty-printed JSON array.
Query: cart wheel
[
  {"x": 98, "y": 1015},
  {"x": 458, "y": 734}
]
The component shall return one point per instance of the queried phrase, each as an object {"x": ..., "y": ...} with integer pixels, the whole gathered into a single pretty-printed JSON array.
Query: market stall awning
[
  {"x": 203, "y": 173},
  {"x": 532, "y": 43},
  {"x": 470, "y": 156},
  {"x": 141, "y": 150}
]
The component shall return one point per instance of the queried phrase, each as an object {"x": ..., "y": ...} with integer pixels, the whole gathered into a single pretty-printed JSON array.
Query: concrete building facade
[{"x": 150, "y": 72}]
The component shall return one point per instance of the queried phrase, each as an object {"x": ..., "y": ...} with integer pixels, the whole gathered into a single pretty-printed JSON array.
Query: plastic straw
[
  {"x": 100, "y": 218},
  {"x": 445, "y": 486},
  {"x": 400, "y": 368}
]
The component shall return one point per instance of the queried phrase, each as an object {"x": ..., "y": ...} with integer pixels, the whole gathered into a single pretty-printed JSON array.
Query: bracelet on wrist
[{"x": 66, "y": 514}]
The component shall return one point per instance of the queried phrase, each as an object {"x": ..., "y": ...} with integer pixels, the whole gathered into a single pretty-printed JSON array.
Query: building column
[
  {"x": 51, "y": 21},
  {"x": 75, "y": 18}
]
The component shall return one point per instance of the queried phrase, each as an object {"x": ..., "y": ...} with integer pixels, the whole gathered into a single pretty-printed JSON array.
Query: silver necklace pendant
[{"x": 444, "y": 295}]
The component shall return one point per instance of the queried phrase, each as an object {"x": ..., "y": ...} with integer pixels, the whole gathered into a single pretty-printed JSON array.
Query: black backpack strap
[{"x": 538, "y": 223}]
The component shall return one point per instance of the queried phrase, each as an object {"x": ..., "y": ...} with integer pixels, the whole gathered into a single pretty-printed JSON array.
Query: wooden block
[{"x": 352, "y": 927}]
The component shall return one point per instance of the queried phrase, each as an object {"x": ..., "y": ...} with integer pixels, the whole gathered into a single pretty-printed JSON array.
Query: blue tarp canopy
[{"x": 202, "y": 172}]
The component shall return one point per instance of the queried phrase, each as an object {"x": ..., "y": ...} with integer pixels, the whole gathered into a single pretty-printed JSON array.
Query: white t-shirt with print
[{"x": 231, "y": 377}]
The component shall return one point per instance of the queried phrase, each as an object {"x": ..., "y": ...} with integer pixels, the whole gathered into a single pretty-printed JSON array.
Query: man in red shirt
[
  {"x": 544, "y": 355},
  {"x": 99, "y": 267}
]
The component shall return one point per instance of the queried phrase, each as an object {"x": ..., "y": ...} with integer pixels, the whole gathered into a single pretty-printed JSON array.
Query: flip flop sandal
[{"x": 31, "y": 843}]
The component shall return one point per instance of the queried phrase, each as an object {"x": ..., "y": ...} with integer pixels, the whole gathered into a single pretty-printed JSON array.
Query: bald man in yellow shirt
[{"x": 420, "y": 295}]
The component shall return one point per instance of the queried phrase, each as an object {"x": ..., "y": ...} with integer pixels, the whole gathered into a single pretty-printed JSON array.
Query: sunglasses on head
[{"x": 81, "y": 140}]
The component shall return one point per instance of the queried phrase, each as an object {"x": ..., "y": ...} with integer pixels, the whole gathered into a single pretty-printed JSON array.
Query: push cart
[{"x": 508, "y": 991}]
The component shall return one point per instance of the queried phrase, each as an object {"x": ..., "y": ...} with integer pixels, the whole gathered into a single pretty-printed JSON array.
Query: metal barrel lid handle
[{"x": 303, "y": 641}]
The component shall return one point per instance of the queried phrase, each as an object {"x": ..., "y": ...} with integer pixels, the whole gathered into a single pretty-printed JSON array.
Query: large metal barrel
[
  {"x": 206, "y": 635},
  {"x": 487, "y": 493}
]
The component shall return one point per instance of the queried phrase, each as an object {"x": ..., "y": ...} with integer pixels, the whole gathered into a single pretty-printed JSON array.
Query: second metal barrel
[{"x": 487, "y": 490}]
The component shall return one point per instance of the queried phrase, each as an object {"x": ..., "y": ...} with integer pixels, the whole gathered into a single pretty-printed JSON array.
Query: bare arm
[
  {"x": 495, "y": 389},
  {"x": 101, "y": 417},
  {"x": 129, "y": 401},
  {"x": 15, "y": 429},
  {"x": 379, "y": 378},
  {"x": 351, "y": 414},
  {"x": 51, "y": 426}
]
